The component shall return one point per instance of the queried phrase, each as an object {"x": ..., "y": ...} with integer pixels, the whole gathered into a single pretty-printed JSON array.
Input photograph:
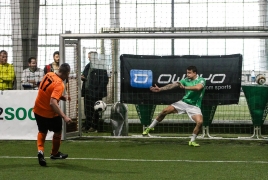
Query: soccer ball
[
  {"x": 100, "y": 106},
  {"x": 260, "y": 79}
]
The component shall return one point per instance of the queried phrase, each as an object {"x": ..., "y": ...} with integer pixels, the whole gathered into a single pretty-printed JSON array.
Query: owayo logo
[
  {"x": 144, "y": 78},
  {"x": 141, "y": 78}
]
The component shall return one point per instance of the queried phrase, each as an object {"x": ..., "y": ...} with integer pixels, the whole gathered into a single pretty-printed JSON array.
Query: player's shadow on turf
[
  {"x": 61, "y": 165},
  {"x": 67, "y": 166},
  {"x": 87, "y": 169}
]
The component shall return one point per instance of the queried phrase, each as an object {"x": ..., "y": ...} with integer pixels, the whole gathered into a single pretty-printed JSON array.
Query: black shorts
[{"x": 52, "y": 124}]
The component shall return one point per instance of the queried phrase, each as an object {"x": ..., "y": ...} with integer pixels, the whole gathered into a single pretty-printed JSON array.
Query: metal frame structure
[
  {"x": 63, "y": 105},
  {"x": 116, "y": 36},
  {"x": 205, "y": 35},
  {"x": 183, "y": 29}
]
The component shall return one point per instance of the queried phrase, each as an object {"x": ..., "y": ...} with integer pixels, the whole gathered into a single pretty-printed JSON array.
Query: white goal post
[{"x": 76, "y": 39}]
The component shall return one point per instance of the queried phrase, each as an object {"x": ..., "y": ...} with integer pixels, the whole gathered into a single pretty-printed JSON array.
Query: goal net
[{"x": 225, "y": 60}]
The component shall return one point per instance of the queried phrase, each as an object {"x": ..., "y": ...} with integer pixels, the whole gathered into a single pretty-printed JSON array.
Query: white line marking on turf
[{"x": 143, "y": 160}]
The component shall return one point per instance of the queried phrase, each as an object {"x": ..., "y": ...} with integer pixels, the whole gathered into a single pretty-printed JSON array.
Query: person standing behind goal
[
  {"x": 84, "y": 79},
  {"x": 48, "y": 114},
  {"x": 53, "y": 67},
  {"x": 191, "y": 102}
]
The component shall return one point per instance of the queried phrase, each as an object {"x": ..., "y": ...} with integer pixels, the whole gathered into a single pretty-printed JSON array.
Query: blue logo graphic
[{"x": 141, "y": 78}]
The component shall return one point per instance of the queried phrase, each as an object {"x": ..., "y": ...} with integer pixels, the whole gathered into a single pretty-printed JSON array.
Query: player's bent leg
[{"x": 168, "y": 110}]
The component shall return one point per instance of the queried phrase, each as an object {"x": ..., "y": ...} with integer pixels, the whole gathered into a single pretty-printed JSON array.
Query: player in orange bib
[{"x": 48, "y": 114}]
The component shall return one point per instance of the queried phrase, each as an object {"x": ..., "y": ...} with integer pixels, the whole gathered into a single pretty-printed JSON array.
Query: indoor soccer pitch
[{"x": 137, "y": 158}]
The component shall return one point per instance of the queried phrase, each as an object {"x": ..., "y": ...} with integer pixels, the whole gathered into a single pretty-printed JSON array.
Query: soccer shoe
[
  {"x": 59, "y": 155},
  {"x": 146, "y": 131},
  {"x": 193, "y": 143},
  {"x": 41, "y": 158},
  {"x": 84, "y": 129},
  {"x": 92, "y": 130}
]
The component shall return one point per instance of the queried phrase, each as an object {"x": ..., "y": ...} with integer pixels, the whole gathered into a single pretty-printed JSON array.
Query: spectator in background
[
  {"x": 32, "y": 76},
  {"x": 95, "y": 89},
  {"x": 53, "y": 67},
  {"x": 253, "y": 77},
  {"x": 84, "y": 75},
  {"x": 7, "y": 73},
  {"x": 84, "y": 78}
]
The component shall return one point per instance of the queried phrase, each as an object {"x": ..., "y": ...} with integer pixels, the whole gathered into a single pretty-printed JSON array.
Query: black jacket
[
  {"x": 96, "y": 83},
  {"x": 85, "y": 73}
]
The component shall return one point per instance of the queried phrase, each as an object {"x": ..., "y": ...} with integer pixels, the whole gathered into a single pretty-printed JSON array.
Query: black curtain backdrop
[{"x": 139, "y": 72}]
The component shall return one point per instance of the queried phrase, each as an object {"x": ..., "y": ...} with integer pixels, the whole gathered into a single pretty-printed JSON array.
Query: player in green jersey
[{"x": 191, "y": 102}]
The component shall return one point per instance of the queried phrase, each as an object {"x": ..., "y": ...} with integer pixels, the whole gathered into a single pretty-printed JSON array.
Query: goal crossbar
[
  {"x": 206, "y": 35},
  {"x": 182, "y": 29}
]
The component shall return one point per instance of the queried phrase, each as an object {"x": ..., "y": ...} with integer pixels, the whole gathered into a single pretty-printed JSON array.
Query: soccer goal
[{"x": 136, "y": 61}]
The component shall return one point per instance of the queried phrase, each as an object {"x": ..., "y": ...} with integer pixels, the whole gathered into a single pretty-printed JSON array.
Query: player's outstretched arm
[
  {"x": 164, "y": 88},
  {"x": 56, "y": 108},
  {"x": 155, "y": 88}
]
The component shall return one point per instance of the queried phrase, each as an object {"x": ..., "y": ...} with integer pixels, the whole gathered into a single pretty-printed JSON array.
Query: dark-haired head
[
  {"x": 192, "y": 68},
  {"x": 56, "y": 53},
  {"x": 3, "y": 51},
  {"x": 32, "y": 62},
  {"x": 64, "y": 68},
  {"x": 56, "y": 57},
  {"x": 92, "y": 52},
  {"x": 191, "y": 72},
  {"x": 3, "y": 57},
  {"x": 64, "y": 71},
  {"x": 30, "y": 59}
]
